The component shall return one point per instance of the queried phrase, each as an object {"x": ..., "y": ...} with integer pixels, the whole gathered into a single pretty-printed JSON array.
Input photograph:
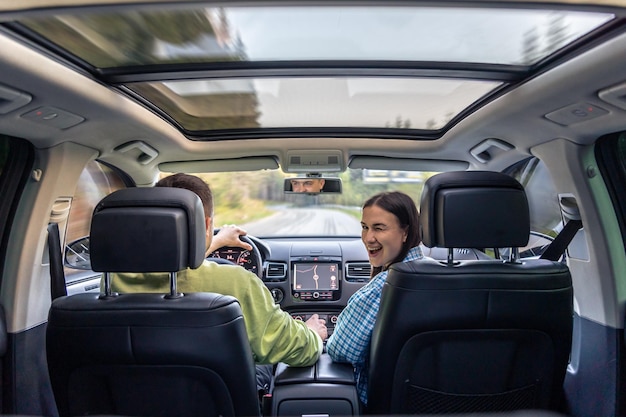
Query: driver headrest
[
  {"x": 474, "y": 209},
  {"x": 160, "y": 229}
]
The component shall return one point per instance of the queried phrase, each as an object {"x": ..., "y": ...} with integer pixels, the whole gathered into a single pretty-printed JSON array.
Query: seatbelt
[
  {"x": 556, "y": 249},
  {"x": 57, "y": 275}
]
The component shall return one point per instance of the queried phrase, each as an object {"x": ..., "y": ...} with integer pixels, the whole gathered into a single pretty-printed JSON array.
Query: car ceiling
[{"x": 499, "y": 131}]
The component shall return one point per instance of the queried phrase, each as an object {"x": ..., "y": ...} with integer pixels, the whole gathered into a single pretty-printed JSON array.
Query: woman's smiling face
[{"x": 382, "y": 235}]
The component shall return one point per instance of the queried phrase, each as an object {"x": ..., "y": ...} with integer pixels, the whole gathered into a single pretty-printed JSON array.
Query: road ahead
[{"x": 305, "y": 221}]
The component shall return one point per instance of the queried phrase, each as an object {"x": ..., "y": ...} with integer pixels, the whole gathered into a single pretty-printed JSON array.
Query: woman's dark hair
[
  {"x": 191, "y": 183},
  {"x": 403, "y": 207}
]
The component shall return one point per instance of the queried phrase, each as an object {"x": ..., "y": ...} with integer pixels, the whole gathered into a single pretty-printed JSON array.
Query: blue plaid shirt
[{"x": 350, "y": 342}]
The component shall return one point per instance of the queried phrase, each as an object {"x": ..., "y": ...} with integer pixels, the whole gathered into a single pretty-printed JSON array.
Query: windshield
[{"x": 257, "y": 202}]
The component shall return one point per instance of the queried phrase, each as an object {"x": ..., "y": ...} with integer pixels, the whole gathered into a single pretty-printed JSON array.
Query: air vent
[
  {"x": 275, "y": 271},
  {"x": 358, "y": 272}
]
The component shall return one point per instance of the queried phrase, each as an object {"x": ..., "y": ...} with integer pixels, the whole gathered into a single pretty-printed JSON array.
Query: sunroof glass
[
  {"x": 205, "y": 35},
  {"x": 349, "y": 102}
]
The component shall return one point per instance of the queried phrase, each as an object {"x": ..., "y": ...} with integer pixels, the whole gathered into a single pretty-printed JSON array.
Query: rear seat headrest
[
  {"x": 474, "y": 209},
  {"x": 160, "y": 229}
]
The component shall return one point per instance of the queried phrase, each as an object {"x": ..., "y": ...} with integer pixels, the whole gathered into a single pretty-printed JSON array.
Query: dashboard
[{"x": 305, "y": 275}]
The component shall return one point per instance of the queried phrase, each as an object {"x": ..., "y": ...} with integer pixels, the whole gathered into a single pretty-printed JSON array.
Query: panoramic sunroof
[{"x": 214, "y": 96}]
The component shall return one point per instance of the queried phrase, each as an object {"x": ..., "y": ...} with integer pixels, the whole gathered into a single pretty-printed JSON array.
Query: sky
[{"x": 446, "y": 34}]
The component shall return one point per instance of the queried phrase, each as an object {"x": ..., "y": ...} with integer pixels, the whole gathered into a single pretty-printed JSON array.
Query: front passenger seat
[
  {"x": 150, "y": 354},
  {"x": 472, "y": 336}
]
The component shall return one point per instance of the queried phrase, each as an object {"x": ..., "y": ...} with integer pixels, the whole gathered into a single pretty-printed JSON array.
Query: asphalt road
[{"x": 305, "y": 222}]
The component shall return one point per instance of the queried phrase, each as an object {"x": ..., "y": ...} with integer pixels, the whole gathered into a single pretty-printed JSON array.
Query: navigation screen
[{"x": 315, "y": 277}]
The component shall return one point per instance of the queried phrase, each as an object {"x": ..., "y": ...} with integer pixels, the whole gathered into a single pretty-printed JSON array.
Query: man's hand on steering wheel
[
  {"x": 228, "y": 235},
  {"x": 233, "y": 237}
]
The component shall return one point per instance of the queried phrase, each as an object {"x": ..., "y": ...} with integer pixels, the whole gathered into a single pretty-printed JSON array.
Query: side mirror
[
  {"x": 77, "y": 254},
  {"x": 312, "y": 185}
]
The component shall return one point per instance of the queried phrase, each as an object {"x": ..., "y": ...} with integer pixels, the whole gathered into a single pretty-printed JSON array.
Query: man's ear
[{"x": 208, "y": 224}]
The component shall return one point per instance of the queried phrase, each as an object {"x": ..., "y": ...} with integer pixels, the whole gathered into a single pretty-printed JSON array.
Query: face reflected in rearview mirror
[{"x": 309, "y": 185}]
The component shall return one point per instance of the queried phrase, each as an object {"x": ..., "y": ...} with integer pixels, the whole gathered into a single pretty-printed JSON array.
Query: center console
[
  {"x": 315, "y": 284},
  {"x": 324, "y": 389},
  {"x": 306, "y": 278},
  {"x": 310, "y": 277}
]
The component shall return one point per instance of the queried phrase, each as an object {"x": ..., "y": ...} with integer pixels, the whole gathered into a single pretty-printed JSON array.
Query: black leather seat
[
  {"x": 150, "y": 354},
  {"x": 474, "y": 335}
]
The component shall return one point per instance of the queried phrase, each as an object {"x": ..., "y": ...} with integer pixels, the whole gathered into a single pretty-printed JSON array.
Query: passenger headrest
[
  {"x": 474, "y": 209},
  {"x": 160, "y": 229}
]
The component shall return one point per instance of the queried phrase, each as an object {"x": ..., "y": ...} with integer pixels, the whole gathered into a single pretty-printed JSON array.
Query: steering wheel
[{"x": 248, "y": 259}]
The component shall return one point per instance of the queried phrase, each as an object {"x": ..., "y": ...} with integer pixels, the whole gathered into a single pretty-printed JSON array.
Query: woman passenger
[{"x": 390, "y": 233}]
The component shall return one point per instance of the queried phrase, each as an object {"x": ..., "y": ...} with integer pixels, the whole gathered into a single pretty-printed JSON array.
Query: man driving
[{"x": 273, "y": 334}]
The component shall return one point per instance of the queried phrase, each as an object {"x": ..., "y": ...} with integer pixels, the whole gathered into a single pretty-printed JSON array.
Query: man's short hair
[{"x": 191, "y": 183}]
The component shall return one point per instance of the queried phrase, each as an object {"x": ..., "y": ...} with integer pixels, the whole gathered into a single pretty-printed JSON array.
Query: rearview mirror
[{"x": 312, "y": 185}]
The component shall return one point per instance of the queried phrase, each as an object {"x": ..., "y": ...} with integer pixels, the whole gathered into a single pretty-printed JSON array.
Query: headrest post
[
  {"x": 107, "y": 287},
  {"x": 173, "y": 291},
  {"x": 514, "y": 256},
  {"x": 450, "y": 256}
]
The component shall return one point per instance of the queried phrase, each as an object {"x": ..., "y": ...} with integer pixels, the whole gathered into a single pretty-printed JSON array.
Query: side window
[
  {"x": 96, "y": 181},
  {"x": 545, "y": 213}
]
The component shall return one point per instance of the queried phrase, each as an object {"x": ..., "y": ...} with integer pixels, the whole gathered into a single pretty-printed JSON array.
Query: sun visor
[
  {"x": 222, "y": 165},
  {"x": 406, "y": 164}
]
